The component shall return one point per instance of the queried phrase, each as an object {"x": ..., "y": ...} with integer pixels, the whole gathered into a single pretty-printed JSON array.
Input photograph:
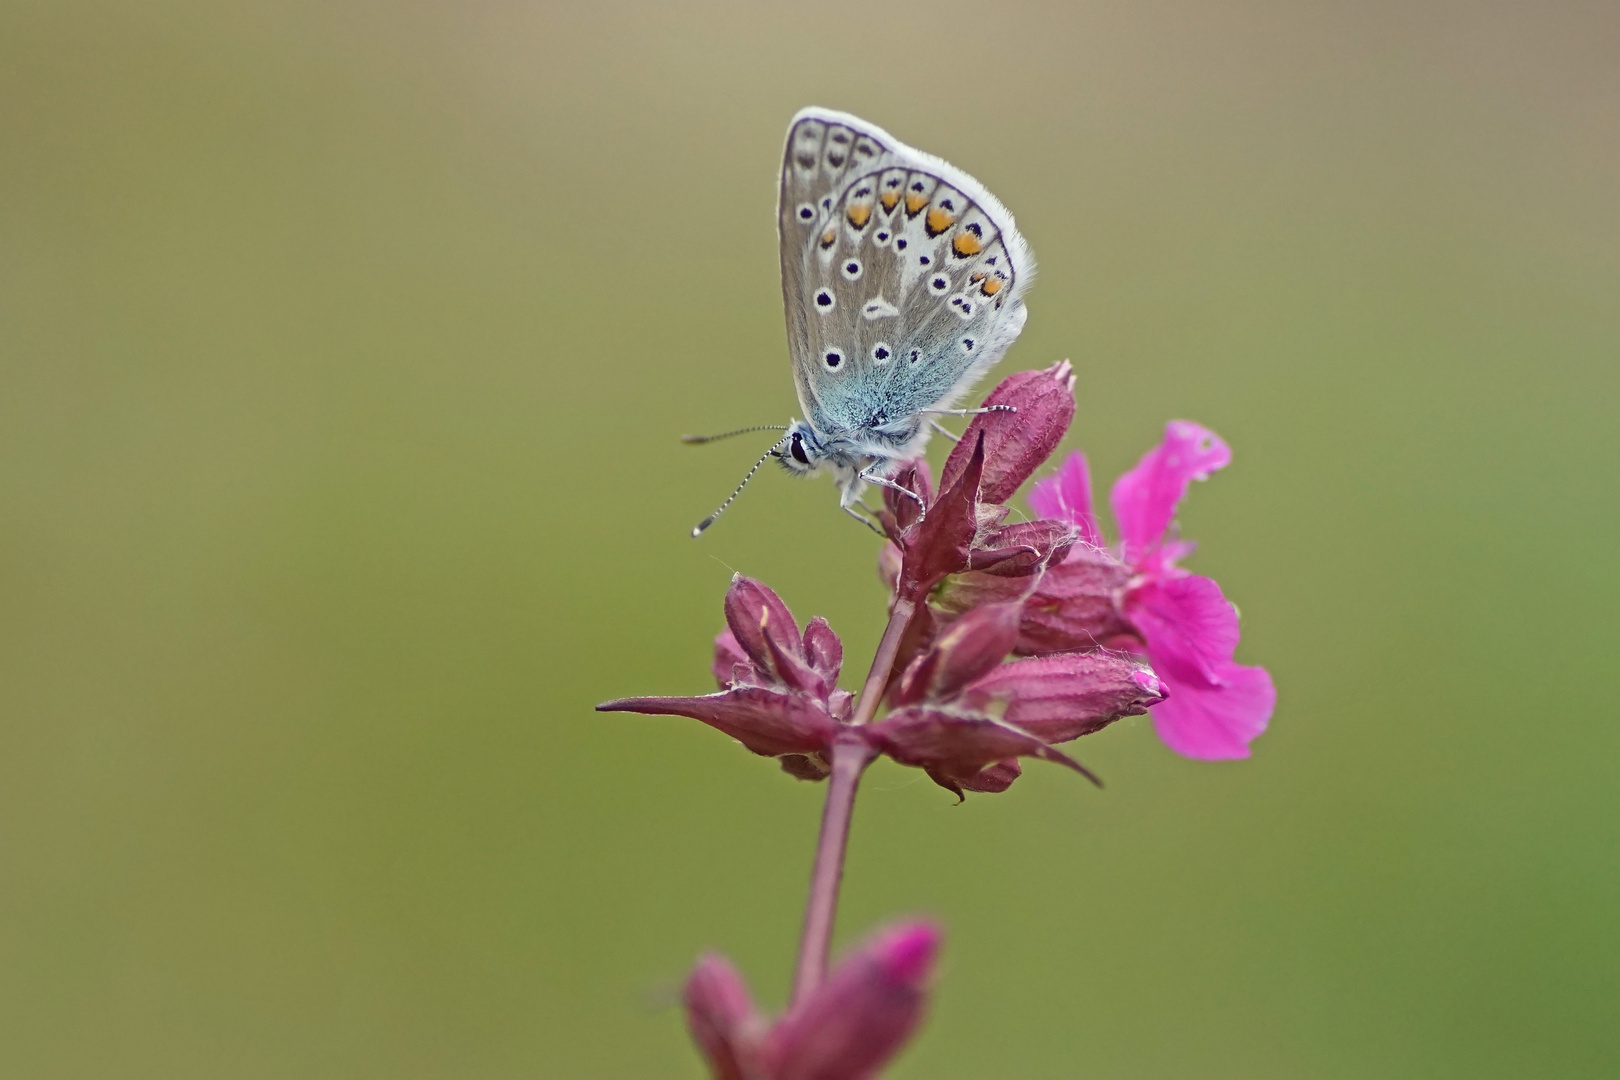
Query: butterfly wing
[{"x": 902, "y": 277}]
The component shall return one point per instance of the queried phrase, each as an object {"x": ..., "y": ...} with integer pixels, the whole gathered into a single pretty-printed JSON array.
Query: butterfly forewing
[{"x": 902, "y": 277}]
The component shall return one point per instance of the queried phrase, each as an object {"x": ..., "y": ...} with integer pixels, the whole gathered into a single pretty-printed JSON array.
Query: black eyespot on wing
[
  {"x": 806, "y": 212},
  {"x": 825, "y": 301},
  {"x": 805, "y": 161},
  {"x": 836, "y": 160},
  {"x": 852, "y": 269},
  {"x": 946, "y": 204},
  {"x": 916, "y": 354},
  {"x": 840, "y": 137},
  {"x": 834, "y": 358},
  {"x": 923, "y": 260},
  {"x": 967, "y": 344},
  {"x": 973, "y": 227},
  {"x": 939, "y": 283},
  {"x": 900, "y": 245},
  {"x": 918, "y": 186},
  {"x": 881, "y": 352}
]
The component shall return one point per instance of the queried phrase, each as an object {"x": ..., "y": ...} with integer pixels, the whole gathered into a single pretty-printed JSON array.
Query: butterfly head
[{"x": 801, "y": 451}]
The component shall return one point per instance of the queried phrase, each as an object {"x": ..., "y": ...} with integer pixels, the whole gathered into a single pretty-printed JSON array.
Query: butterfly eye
[
  {"x": 833, "y": 359},
  {"x": 797, "y": 449},
  {"x": 825, "y": 301},
  {"x": 852, "y": 270},
  {"x": 881, "y": 352}
]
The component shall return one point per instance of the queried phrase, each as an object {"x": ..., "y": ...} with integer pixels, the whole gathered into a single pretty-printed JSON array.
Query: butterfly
[{"x": 903, "y": 283}]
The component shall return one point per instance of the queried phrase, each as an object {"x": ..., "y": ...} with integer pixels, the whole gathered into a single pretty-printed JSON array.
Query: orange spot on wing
[
  {"x": 938, "y": 221},
  {"x": 828, "y": 237},
  {"x": 890, "y": 198},
  {"x": 859, "y": 213},
  {"x": 965, "y": 243},
  {"x": 915, "y": 203},
  {"x": 991, "y": 286}
]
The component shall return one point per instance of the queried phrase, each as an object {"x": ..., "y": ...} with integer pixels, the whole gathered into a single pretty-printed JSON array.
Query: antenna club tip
[{"x": 697, "y": 530}]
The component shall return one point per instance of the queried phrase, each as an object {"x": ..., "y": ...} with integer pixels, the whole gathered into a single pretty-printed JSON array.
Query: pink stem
[{"x": 850, "y": 757}]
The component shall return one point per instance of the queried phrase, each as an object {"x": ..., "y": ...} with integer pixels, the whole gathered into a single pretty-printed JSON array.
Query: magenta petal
[
  {"x": 1216, "y": 722},
  {"x": 1190, "y": 627},
  {"x": 1066, "y": 695},
  {"x": 1015, "y": 444},
  {"x": 722, "y": 1018},
  {"x": 767, "y": 721},
  {"x": 1067, "y": 497},
  {"x": 1145, "y": 498},
  {"x": 862, "y": 1015}
]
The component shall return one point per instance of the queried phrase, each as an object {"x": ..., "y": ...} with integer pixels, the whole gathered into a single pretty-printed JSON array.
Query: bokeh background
[{"x": 343, "y": 351}]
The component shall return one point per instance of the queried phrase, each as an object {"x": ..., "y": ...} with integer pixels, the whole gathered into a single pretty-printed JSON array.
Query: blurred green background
[{"x": 343, "y": 348}]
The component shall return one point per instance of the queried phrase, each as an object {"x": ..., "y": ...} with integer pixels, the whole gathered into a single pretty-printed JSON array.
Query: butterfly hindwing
[{"x": 902, "y": 277}]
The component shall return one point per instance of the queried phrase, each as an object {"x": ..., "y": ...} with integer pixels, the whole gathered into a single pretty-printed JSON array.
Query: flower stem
[{"x": 850, "y": 757}]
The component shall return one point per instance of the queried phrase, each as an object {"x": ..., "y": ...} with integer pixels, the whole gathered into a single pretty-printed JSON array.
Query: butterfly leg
[
  {"x": 881, "y": 481},
  {"x": 969, "y": 412},
  {"x": 864, "y": 520},
  {"x": 937, "y": 426}
]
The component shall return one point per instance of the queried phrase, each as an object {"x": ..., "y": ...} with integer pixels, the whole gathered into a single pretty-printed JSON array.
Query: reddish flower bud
[
  {"x": 765, "y": 720},
  {"x": 723, "y": 1021},
  {"x": 861, "y": 1016},
  {"x": 1076, "y": 604},
  {"x": 731, "y": 663},
  {"x": 938, "y": 544},
  {"x": 1063, "y": 696},
  {"x": 779, "y": 696},
  {"x": 953, "y": 748},
  {"x": 1015, "y": 444},
  {"x": 765, "y": 630},
  {"x": 972, "y": 646}
]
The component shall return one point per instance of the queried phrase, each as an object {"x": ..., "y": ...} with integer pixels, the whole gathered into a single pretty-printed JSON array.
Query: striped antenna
[
  {"x": 729, "y": 434},
  {"x": 697, "y": 530}
]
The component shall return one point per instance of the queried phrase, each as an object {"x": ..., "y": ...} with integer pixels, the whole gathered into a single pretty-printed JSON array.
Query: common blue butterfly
[{"x": 903, "y": 283}]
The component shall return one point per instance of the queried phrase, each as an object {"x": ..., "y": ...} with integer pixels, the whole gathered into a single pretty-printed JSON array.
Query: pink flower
[
  {"x": 964, "y": 717},
  {"x": 1143, "y": 601},
  {"x": 960, "y": 714},
  {"x": 846, "y": 1029}
]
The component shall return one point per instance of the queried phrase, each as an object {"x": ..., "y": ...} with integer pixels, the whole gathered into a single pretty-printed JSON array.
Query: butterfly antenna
[
  {"x": 729, "y": 434},
  {"x": 697, "y": 530}
]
